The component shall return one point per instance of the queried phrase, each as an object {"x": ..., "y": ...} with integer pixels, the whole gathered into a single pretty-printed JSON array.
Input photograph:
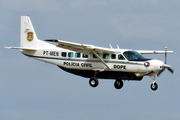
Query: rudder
[{"x": 28, "y": 35}]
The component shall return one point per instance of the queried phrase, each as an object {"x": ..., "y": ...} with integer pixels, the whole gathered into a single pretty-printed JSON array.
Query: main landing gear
[
  {"x": 93, "y": 82},
  {"x": 118, "y": 84}
]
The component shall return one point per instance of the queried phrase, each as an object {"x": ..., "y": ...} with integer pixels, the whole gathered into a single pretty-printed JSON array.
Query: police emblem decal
[
  {"x": 146, "y": 64},
  {"x": 30, "y": 36}
]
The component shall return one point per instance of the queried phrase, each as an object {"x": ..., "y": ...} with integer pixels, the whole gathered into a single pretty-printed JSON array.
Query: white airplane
[{"x": 91, "y": 61}]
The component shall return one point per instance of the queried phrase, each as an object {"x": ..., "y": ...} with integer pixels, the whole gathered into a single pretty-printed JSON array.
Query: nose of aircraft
[
  {"x": 163, "y": 67},
  {"x": 159, "y": 64}
]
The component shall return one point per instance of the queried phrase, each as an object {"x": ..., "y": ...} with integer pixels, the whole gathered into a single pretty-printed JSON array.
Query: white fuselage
[{"x": 73, "y": 60}]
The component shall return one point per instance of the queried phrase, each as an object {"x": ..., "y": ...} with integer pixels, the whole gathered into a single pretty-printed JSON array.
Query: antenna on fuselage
[
  {"x": 110, "y": 46},
  {"x": 165, "y": 55},
  {"x": 117, "y": 47}
]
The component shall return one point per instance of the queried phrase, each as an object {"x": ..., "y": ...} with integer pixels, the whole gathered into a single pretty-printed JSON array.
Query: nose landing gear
[{"x": 154, "y": 85}]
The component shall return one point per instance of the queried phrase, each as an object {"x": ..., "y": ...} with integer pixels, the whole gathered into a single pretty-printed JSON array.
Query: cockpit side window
[
  {"x": 132, "y": 55},
  {"x": 120, "y": 57}
]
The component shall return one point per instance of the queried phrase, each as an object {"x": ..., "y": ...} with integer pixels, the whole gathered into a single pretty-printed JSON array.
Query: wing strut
[{"x": 101, "y": 59}]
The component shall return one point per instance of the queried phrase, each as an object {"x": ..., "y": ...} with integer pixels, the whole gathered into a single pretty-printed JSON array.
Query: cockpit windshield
[{"x": 133, "y": 55}]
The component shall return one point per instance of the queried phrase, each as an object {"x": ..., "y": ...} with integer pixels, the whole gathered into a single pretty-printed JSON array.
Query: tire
[
  {"x": 93, "y": 82},
  {"x": 118, "y": 84},
  {"x": 154, "y": 86}
]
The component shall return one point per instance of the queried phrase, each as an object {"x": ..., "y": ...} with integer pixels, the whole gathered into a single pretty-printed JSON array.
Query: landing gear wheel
[
  {"x": 118, "y": 84},
  {"x": 93, "y": 82},
  {"x": 154, "y": 86}
]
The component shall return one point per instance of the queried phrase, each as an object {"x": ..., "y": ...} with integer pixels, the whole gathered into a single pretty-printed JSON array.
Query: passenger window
[
  {"x": 63, "y": 54},
  {"x": 77, "y": 55},
  {"x": 85, "y": 56},
  {"x": 120, "y": 57},
  {"x": 113, "y": 56},
  {"x": 95, "y": 56},
  {"x": 70, "y": 54},
  {"x": 105, "y": 56}
]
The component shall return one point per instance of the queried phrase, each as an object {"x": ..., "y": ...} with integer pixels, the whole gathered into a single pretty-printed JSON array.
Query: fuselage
[{"x": 85, "y": 65}]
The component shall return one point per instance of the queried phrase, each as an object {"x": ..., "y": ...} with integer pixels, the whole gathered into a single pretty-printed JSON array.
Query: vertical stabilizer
[{"x": 28, "y": 35}]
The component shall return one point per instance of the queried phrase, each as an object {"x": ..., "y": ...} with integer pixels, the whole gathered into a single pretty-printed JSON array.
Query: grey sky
[{"x": 33, "y": 90}]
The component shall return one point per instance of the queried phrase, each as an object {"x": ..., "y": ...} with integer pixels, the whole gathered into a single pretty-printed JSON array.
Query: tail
[
  {"x": 28, "y": 34},
  {"x": 29, "y": 40}
]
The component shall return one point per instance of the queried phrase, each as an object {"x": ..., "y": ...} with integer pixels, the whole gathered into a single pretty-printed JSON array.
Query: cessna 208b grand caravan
[{"x": 90, "y": 61}]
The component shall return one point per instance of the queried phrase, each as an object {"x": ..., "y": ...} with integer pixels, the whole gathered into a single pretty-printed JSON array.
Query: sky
[{"x": 34, "y": 90}]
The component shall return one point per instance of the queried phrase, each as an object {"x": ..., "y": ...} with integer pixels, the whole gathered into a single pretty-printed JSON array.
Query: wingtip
[{"x": 8, "y": 47}]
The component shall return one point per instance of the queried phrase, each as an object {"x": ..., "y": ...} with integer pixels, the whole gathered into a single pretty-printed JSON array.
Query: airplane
[{"x": 90, "y": 61}]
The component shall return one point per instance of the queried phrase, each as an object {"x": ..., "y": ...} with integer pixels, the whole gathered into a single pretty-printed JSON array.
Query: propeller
[
  {"x": 165, "y": 55},
  {"x": 171, "y": 70},
  {"x": 165, "y": 66},
  {"x": 161, "y": 72}
]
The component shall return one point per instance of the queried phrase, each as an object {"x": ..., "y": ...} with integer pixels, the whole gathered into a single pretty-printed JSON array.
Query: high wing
[
  {"x": 84, "y": 48},
  {"x": 87, "y": 49},
  {"x": 153, "y": 52}
]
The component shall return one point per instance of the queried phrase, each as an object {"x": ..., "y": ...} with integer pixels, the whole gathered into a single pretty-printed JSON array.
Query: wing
[
  {"x": 153, "y": 52},
  {"x": 84, "y": 48},
  {"x": 87, "y": 49}
]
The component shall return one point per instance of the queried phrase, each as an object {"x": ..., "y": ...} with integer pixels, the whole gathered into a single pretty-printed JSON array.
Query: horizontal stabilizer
[{"x": 21, "y": 48}]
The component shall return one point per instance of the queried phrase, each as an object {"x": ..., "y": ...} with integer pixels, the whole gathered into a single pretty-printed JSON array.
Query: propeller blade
[
  {"x": 160, "y": 72},
  {"x": 171, "y": 70},
  {"x": 165, "y": 55}
]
